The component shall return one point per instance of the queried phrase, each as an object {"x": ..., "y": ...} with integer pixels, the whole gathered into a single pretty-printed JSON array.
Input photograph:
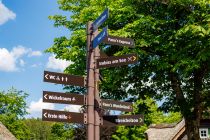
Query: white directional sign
[
  {"x": 127, "y": 120},
  {"x": 119, "y": 41},
  {"x": 116, "y": 61},
  {"x": 61, "y": 78},
  {"x": 117, "y": 105},
  {"x": 65, "y": 98},
  {"x": 62, "y": 116}
]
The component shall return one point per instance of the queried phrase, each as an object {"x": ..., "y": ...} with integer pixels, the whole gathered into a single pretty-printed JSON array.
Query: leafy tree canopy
[{"x": 12, "y": 110}]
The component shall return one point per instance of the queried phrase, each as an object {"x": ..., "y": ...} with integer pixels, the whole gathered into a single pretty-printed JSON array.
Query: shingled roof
[
  {"x": 165, "y": 131},
  {"x": 5, "y": 134}
]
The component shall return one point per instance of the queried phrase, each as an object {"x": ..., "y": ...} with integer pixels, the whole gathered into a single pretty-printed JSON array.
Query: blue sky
[{"x": 25, "y": 32}]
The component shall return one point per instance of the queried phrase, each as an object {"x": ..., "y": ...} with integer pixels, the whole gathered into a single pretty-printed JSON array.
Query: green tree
[
  {"x": 63, "y": 131},
  {"x": 12, "y": 111},
  {"x": 172, "y": 41},
  {"x": 43, "y": 130},
  {"x": 39, "y": 130}
]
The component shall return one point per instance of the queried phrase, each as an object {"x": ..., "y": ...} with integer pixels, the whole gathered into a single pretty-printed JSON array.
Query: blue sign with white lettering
[
  {"x": 101, "y": 19},
  {"x": 100, "y": 37}
]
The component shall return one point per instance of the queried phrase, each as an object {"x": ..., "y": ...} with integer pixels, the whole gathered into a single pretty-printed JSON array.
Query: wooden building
[
  {"x": 176, "y": 131},
  {"x": 5, "y": 134},
  {"x": 166, "y": 131}
]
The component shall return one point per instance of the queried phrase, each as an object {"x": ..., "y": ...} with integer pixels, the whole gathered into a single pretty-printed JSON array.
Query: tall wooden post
[
  {"x": 97, "y": 98},
  {"x": 90, "y": 84}
]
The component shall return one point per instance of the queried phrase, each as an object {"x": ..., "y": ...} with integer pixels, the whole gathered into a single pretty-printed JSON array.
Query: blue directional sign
[
  {"x": 100, "y": 37},
  {"x": 101, "y": 19}
]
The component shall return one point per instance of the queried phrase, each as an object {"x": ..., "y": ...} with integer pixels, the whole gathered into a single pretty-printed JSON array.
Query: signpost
[
  {"x": 116, "y": 105},
  {"x": 100, "y": 20},
  {"x": 127, "y": 120},
  {"x": 94, "y": 62},
  {"x": 63, "y": 116},
  {"x": 63, "y": 98},
  {"x": 119, "y": 41},
  {"x": 116, "y": 61},
  {"x": 66, "y": 79},
  {"x": 100, "y": 37}
]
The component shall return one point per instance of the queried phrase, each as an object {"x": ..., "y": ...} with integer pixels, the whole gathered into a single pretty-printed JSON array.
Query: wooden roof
[
  {"x": 5, "y": 134},
  {"x": 171, "y": 131},
  {"x": 166, "y": 131}
]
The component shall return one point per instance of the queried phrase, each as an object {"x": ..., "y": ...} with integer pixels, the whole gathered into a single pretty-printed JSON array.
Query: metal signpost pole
[
  {"x": 90, "y": 84},
  {"x": 97, "y": 98}
]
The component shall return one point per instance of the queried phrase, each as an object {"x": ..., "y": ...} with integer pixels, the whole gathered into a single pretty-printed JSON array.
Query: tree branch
[{"x": 176, "y": 86}]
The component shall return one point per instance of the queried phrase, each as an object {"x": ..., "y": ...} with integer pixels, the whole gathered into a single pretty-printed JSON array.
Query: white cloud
[
  {"x": 11, "y": 60},
  {"x": 22, "y": 63},
  {"x": 36, "y": 65},
  {"x": 39, "y": 105},
  {"x": 35, "y": 53},
  {"x": 5, "y": 14},
  {"x": 19, "y": 51},
  {"x": 57, "y": 64},
  {"x": 73, "y": 108},
  {"x": 7, "y": 61}
]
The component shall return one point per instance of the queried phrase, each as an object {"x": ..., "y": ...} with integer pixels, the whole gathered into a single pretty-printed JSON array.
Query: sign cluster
[
  {"x": 73, "y": 98},
  {"x": 113, "y": 62}
]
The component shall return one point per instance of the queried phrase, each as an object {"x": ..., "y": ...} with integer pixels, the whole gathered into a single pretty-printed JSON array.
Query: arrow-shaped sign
[
  {"x": 63, "y": 98},
  {"x": 119, "y": 41},
  {"x": 100, "y": 37},
  {"x": 141, "y": 120},
  {"x": 116, "y": 105},
  {"x": 45, "y": 96},
  {"x": 45, "y": 114},
  {"x": 46, "y": 76},
  {"x": 62, "y": 116},
  {"x": 132, "y": 58},
  {"x": 101, "y": 19},
  {"x": 61, "y": 78},
  {"x": 116, "y": 61},
  {"x": 127, "y": 120}
]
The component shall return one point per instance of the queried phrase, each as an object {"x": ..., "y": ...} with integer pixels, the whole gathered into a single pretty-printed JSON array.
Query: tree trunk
[
  {"x": 192, "y": 129},
  {"x": 193, "y": 123},
  {"x": 192, "y": 114}
]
